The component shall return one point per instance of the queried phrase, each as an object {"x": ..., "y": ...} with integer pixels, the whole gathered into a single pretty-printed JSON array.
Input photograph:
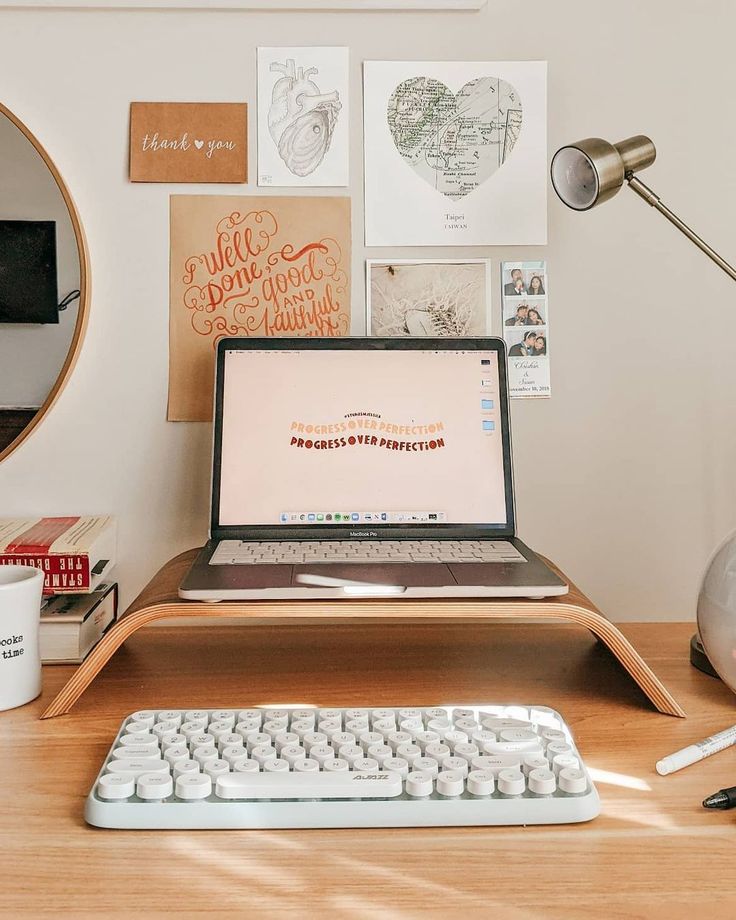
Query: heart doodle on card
[
  {"x": 455, "y": 142},
  {"x": 199, "y": 144}
]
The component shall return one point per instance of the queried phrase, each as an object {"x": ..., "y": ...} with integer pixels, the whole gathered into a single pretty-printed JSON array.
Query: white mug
[{"x": 21, "y": 587}]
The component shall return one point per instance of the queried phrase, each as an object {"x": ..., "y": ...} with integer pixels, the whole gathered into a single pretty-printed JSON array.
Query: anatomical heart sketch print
[{"x": 303, "y": 116}]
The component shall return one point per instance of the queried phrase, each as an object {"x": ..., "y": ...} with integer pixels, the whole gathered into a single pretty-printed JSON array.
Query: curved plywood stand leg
[{"x": 159, "y": 601}]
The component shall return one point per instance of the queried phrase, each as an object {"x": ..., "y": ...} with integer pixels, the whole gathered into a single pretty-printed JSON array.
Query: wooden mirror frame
[{"x": 84, "y": 288}]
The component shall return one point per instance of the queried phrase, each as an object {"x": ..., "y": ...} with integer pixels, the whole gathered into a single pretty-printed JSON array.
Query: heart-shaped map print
[{"x": 455, "y": 142}]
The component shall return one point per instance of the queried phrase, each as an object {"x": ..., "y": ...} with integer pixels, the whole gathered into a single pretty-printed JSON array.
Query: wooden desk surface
[{"x": 654, "y": 851}]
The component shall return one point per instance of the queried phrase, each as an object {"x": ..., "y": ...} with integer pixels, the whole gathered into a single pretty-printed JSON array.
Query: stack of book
[{"x": 76, "y": 554}]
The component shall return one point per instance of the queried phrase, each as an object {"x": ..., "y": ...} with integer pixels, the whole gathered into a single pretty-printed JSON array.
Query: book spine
[{"x": 66, "y": 573}]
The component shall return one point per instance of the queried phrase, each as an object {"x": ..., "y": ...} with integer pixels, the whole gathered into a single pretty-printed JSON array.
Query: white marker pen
[{"x": 695, "y": 752}]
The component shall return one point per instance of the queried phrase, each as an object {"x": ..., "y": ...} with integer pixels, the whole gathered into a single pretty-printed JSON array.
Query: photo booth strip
[{"x": 525, "y": 320}]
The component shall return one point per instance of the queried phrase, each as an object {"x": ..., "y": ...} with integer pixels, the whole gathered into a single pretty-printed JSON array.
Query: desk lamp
[{"x": 585, "y": 174}]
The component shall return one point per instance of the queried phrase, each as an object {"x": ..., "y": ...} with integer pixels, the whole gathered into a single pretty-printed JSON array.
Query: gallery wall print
[
  {"x": 455, "y": 153},
  {"x": 250, "y": 266},
  {"x": 303, "y": 128},
  {"x": 442, "y": 297},
  {"x": 525, "y": 317},
  {"x": 188, "y": 142}
]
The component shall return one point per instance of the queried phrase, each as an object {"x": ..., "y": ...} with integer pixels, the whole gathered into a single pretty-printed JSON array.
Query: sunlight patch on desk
[{"x": 609, "y": 778}]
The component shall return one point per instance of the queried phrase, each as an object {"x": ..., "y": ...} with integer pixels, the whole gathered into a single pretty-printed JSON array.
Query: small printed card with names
[
  {"x": 188, "y": 142},
  {"x": 525, "y": 318}
]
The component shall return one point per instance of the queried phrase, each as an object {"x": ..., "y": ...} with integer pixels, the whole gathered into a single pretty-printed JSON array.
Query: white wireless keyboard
[{"x": 298, "y": 767}]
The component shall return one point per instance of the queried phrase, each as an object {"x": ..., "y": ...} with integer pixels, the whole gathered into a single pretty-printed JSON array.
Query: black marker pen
[{"x": 725, "y": 798}]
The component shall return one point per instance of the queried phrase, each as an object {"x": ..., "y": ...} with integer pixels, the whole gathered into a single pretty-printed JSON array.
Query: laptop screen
[{"x": 364, "y": 438}]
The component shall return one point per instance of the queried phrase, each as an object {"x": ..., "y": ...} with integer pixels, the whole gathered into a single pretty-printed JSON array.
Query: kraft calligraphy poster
[{"x": 250, "y": 266}]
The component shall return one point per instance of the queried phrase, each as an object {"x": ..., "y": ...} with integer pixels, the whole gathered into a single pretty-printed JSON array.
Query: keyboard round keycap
[
  {"x": 455, "y": 737},
  {"x": 350, "y": 752},
  {"x": 481, "y": 735},
  {"x": 219, "y": 729},
  {"x": 368, "y": 739},
  {"x": 336, "y": 765},
  {"x": 276, "y": 765},
  {"x": 563, "y": 762},
  {"x": 263, "y": 752},
  {"x": 246, "y": 726},
  {"x": 357, "y": 726},
  {"x": 480, "y": 782},
  {"x": 341, "y": 738},
  {"x": 184, "y": 767},
  {"x": 298, "y": 715},
  {"x": 456, "y": 765},
  {"x": 285, "y": 739},
  {"x": 510, "y": 782},
  {"x": 115, "y": 787},
  {"x": 216, "y": 768},
  {"x": 306, "y": 765},
  {"x": 193, "y": 786},
  {"x": 467, "y": 725},
  {"x": 384, "y": 727},
  {"x": 164, "y": 729},
  {"x": 419, "y": 784},
  {"x": 255, "y": 740},
  {"x": 197, "y": 715},
  {"x": 275, "y": 714},
  {"x": 380, "y": 753},
  {"x": 203, "y": 739},
  {"x": 312, "y": 739},
  {"x": 424, "y": 738},
  {"x": 232, "y": 739},
  {"x": 552, "y": 736},
  {"x": 291, "y": 753},
  {"x": 409, "y": 752},
  {"x": 438, "y": 751},
  {"x": 173, "y": 741},
  {"x": 246, "y": 765},
  {"x": 248, "y": 714},
  {"x": 302, "y": 727},
  {"x": 450, "y": 783},
  {"x": 275, "y": 727},
  {"x": 231, "y": 753},
  {"x": 467, "y": 751},
  {"x": 365, "y": 765},
  {"x": 426, "y": 765},
  {"x": 138, "y": 730},
  {"x": 204, "y": 754},
  {"x": 558, "y": 747},
  {"x": 462, "y": 714},
  {"x": 321, "y": 753},
  {"x": 176, "y": 753},
  {"x": 542, "y": 781},
  {"x": 329, "y": 727},
  {"x": 154, "y": 786},
  {"x": 534, "y": 762},
  {"x": 572, "y": 781},
  {"x": 224, "y": 715},
  {"x": 439, "y": 725},
  {"x": 396, "y": 739},
  {"x": 144, "y": 717},
  {"x": 436, "y": 713},
  {"x": 192, "y": 727}
]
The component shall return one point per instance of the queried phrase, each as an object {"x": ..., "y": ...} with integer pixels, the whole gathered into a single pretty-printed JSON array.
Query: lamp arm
[{"x": 649, "y": 196}]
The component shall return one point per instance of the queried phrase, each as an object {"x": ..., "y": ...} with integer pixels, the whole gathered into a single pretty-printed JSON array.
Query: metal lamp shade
[{"x": 591, "y": 171}]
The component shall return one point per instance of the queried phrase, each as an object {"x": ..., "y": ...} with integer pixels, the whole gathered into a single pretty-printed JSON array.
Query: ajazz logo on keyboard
[{"x": 360, "y": 776}]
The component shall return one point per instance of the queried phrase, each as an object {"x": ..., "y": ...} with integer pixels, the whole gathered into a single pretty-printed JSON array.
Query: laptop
[{"x": 363, "y": 467}]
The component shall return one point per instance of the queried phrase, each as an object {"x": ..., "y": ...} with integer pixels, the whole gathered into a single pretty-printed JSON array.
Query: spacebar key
[{"x": 375, "y": 785}]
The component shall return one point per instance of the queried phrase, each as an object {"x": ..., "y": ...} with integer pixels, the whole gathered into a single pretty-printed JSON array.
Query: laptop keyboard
[{"x": 237, "y": 552}]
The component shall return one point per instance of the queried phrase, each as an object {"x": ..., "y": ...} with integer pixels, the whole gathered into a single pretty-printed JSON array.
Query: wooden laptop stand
[{"x": 159, "y": 600}]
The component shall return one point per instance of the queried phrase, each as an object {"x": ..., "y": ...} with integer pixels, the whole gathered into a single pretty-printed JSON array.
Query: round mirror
[{"x": 43, "y": 282}]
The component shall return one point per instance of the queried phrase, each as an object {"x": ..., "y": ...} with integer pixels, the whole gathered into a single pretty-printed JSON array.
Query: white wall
[
  {"x": 624, "y": 476},
  {"x": 32, "y": 355}
]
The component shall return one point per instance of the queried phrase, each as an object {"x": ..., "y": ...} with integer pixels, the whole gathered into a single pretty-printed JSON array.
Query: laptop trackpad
[{"x": 429, "y": 575}]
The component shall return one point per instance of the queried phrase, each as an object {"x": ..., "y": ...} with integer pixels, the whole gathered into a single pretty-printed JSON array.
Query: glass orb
[{"x": 717, "y": 611}]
